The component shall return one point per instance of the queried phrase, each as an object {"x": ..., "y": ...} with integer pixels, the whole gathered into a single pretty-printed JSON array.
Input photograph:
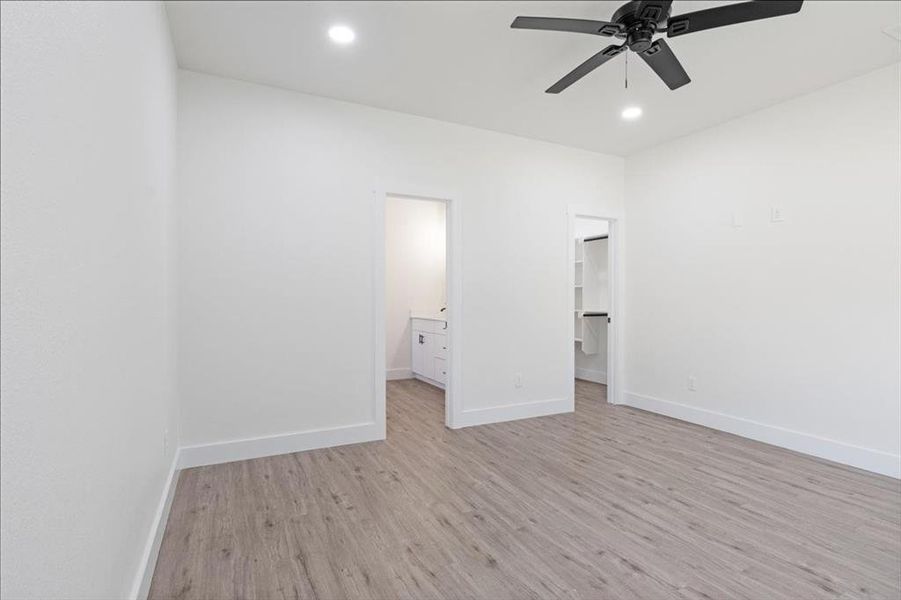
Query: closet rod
[
  {"x": 595, "y": 238},
  {"x": 594, "y": 314}
]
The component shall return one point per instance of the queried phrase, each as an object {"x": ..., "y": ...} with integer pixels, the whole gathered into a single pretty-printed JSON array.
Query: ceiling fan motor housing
[
  {"x": 627, "y": 14},
  {"x": 639, "y": 25},
  {"x": 639, "y": 40}
]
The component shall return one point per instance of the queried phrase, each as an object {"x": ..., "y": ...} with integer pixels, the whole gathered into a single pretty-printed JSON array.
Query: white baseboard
[
  {"x": 230, "y": 451},
  {"x": 429, "y": 381},
  {"x": 208, "y": 454},
  {"x": 141, "y": 586},
  {"x": 392, "y": 374},
  {"x": 840, "y": 452},
  {"x": 513, "y": 412},
  {"x": 592, "y": 375}
]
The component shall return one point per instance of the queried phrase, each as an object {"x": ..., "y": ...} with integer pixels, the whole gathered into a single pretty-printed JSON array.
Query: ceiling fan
[{"x": 636, "y": 22}]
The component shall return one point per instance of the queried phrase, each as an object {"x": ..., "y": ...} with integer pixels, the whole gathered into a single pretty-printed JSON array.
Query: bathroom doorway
[{"x": 417, "y": 312}]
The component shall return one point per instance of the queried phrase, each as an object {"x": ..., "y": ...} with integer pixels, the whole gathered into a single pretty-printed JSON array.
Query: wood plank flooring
[{"x": 608, "y": 502}]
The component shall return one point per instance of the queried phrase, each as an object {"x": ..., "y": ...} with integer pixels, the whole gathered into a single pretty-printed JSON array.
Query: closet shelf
[{"x": 591, "y": 299}]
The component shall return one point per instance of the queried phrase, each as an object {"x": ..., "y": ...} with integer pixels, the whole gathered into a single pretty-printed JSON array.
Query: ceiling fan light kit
[{"x": 638, "y": 21}]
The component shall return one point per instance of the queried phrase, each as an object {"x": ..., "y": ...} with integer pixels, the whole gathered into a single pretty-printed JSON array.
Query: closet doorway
[{"x": 592, "y": 270}]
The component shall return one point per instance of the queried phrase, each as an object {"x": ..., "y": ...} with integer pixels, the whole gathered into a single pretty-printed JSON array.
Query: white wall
[
  {"x": 276, "y": 306},
  {"x": 415, "y": 272},
  {"x": 88, "y": 162},
  {"x": 791, "y": 325}
]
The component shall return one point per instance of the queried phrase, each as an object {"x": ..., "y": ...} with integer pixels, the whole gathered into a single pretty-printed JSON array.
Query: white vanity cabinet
[{"x": 429, "y": 344}]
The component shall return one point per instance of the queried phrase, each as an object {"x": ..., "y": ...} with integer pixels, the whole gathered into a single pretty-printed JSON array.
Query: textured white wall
[
  {"x": 88, "y": 162},
  {"x": 415, "y": 271},
  {"x": 792, "y": 324},
  {"x": 276, "y": 305}
]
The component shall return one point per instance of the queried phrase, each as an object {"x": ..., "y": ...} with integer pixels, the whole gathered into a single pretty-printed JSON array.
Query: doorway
[
  {"x": 592, "y": 279},
  {"x": 416, "y": 302}
]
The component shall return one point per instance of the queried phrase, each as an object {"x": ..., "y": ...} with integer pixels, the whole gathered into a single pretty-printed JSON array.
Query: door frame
[
  {"x": 616, "y": 310},
  {"x": 453, "y": 405}
]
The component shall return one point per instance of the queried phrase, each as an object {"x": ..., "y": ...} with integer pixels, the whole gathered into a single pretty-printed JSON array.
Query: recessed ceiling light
[
  {"x": 341, "y": 34},
  {"x": 630, "y": 113}
]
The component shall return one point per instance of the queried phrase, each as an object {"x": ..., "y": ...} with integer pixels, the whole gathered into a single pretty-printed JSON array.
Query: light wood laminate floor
[{"x": 608, "y": 502}]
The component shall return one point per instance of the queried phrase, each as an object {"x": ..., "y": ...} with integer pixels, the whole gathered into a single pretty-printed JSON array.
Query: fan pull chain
[{"x": 627, "y": 70}]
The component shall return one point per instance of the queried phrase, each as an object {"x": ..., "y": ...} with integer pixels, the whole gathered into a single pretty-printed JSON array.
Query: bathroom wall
[{"x": 415, "y": 280}]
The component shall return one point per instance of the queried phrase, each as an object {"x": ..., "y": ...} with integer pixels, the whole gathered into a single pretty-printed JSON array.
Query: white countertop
[{"x": 429, "y": 316}]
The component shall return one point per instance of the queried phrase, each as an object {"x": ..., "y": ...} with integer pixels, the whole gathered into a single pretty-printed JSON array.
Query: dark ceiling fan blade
[
  {"x": 585, "y": 68},
  {"x": 653, "y": 10},
  {"x": 730, "y": 14},
  {"x": 660, "y": 58},
  {"x": 571, "y": 25}
]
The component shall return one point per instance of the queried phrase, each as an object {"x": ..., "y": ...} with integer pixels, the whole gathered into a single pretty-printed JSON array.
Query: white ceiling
[{"x": 461, "y": 62}]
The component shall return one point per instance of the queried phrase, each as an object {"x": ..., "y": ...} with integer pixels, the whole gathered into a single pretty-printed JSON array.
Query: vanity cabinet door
[
  {"x": 422, "y": 363},
  {"x": 439, "y": 348},
  {"x": 440, "y": 368}
]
